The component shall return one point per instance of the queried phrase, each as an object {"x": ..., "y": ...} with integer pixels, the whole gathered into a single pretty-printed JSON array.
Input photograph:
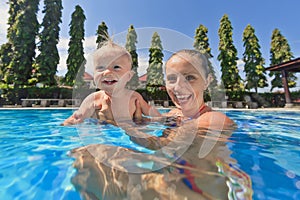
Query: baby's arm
[
  {"x": 146, "y": 108},
  {"x": 86, "y": 110}
]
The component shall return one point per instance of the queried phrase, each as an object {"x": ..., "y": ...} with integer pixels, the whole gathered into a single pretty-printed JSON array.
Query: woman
[{"x": 188, "y": 77}]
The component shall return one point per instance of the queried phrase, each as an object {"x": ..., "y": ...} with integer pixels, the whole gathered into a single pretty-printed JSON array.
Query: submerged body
[{"x": 110, "y": 172}]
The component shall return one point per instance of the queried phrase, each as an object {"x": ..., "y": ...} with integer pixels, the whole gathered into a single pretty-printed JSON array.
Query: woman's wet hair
[{"x": 199, "y": 60}]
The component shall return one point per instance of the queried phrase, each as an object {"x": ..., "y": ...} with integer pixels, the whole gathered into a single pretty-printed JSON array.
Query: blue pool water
[{"x": 34, "y": 163}]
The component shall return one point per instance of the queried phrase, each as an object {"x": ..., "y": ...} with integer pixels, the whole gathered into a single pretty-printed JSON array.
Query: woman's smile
[{"x": 183, "y": 98}]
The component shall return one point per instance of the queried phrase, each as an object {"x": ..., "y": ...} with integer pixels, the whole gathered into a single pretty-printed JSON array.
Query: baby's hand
[{"x": 76, "y": 118}]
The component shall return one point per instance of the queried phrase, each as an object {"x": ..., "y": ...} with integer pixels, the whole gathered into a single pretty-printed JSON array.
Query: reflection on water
[{"x": 173, "y": 170}]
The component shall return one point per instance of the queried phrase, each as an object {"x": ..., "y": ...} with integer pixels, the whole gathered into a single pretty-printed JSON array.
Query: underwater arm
[{"x": 150, "y": 142}]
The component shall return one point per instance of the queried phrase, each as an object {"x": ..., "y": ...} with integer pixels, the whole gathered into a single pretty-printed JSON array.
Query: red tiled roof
[
  {"x": 87, "y": 76},
  {"x": 143, "y": 78}
]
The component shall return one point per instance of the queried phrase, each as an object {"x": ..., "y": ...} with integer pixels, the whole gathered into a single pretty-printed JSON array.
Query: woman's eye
[
  {"x": 190, "y": 77},
  {"x": 172, "y": 78},
  {"x": 117, "y": 67}
]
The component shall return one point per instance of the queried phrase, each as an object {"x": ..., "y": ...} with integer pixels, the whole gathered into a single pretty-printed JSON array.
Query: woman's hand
[
  {"x": 138, "y": 114},
  {"x": 105, "y": 113}
]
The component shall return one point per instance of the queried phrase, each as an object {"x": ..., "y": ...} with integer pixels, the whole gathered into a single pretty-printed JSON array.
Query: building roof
[
  {"x": 291, "y": 66},
  {"x": 143, "y": 78},
  {"x": 87, "y": 76}
]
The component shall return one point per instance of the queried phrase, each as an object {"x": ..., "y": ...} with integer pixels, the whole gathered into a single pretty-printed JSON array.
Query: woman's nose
[{"x": 177, "y": 85}]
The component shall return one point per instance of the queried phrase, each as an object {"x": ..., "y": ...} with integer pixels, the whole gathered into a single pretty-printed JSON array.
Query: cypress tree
[
  {"x": 76, "y": 60},
  {"x": 102, "y": 34},
  {"x": 253, "y": 68},
  {"x": 14, "y": 8},
  {"x": 155, "y": 77},
  {"x": 202, "y": 45},
  {"x": 131, "y": 40},
  {"x": 280, "y": 52},
  {"x": 228, "y": 58},
  {"x": 5, "y": 59},
  {"x": 6, "y": 50},
  {"x": 46, "y": 63},
  {"x": 23, "y": 34}
]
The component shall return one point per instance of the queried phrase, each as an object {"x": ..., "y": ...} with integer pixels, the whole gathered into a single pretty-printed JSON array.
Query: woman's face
[
  {"x": 185, "y": 85},
  {"x": 112, "y": 71}
]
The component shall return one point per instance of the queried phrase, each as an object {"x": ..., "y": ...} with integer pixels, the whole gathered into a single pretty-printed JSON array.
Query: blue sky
[{"x": 182, "y": 17}]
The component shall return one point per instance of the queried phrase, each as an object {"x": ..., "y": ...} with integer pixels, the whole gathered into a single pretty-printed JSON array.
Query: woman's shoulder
[{"x": 215, "y": 120}]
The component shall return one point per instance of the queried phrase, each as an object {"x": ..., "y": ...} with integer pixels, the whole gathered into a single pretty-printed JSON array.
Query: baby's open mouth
[{"x": 109, "y": 82}]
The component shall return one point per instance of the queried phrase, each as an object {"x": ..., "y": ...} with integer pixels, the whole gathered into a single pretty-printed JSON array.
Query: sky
[{"x": 177, "y": 20}]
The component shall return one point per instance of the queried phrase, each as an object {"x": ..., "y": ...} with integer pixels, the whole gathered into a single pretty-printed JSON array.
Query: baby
[{"x": 113, "y": 103}]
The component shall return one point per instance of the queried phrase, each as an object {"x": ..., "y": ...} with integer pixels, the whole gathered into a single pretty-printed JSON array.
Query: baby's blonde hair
[{"x": 107, "y": 45}]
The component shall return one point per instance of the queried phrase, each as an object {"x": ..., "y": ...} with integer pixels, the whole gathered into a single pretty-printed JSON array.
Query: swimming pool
[{"x": 34, "y": 162}]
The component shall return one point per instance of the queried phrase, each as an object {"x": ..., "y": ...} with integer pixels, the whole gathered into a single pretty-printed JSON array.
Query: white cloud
[
  {"x": 89, "y": 44},
  {"x": 143, "y": 60},
  {"x": 240, "y": 65},
  {"x": 3, "y": 21},
  {"x": 63, "y": 44}
]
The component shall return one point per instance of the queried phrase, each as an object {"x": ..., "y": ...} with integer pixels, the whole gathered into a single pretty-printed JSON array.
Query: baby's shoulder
[
  {"x": 96, "y": 96},
  {"x": 135, "y": 95}
]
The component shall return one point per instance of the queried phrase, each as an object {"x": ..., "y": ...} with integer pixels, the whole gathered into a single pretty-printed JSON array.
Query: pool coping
[{"x": 19, "y": 107}]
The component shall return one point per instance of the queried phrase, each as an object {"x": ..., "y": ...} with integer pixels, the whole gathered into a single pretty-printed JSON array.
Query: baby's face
[
  {"x": 185, "y": 85},
  {"x": 112, "y": 70}
]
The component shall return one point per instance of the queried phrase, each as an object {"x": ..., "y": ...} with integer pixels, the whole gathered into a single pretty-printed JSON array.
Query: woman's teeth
[{"x": 183, "y": 98}]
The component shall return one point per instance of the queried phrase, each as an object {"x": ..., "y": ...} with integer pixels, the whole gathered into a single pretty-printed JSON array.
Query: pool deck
[{"x": 7, "y": 107}]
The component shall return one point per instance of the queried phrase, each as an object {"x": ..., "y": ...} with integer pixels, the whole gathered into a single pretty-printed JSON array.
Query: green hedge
[{"x": 12, "y": 96}]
